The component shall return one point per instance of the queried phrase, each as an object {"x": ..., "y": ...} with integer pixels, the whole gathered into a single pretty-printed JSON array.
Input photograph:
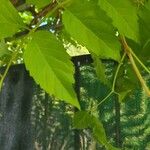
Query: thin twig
[
  {"x": 43, "y": 12},
  {"x": 128, "y": 50},
  {"x": 114, "y": 83}
]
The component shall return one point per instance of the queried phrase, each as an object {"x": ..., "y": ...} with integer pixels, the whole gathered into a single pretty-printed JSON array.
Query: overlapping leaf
[
  {"x": 90, "y": 27},
  {"x": 84, "y": 119},
  {"x": 10, "y": 21},
  {"x": 124, "y": 16},
  {"x": 50, "y": 66}
]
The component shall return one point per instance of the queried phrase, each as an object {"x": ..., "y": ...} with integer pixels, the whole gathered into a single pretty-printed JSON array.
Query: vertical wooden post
[
  {"x": 77, "y": 143},
  {"x": 15, "y": 109}
]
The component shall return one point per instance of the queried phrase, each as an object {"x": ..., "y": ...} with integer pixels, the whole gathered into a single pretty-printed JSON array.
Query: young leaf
[
  {"x": 81, "y": 120},
  {"x": 124, "y": 16},
  {"x": 100, "y": 70},
  {"x": 39, "y": 3},
  {"x": 10, "y": 21},
  {"x": 50, "y": 66},
  {"x": 90, "y": 27}
]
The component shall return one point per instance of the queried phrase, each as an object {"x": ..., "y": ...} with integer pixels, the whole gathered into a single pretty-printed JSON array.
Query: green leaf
[
  {"x": 81, "y": 120},
  {"x": 90, "y": 27},
  {"x": 50, "y": 66},
  {"x": 39, "y": 3},
  {"x": 126, "y": 81},
  {"x": 99, "y": 133},
  {"x": 124, "y": 16},
  {"x": 144, "y": 22},
  {"x": 3, "y": 48},
  {"x": 145, "y": 50},
  {"x": 10, "y": 21},
  {"x": 100, "y": 70}
]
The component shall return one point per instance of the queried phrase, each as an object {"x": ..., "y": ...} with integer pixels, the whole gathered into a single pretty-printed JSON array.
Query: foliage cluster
[{"x": 112, "y": 31}]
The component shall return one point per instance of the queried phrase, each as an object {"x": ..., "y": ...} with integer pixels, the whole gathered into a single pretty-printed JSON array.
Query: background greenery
[{"x": 110, "y": 99}]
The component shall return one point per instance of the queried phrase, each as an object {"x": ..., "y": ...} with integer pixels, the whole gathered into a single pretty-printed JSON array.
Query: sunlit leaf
[
  {"x": 90, "y": 27},
  {"x": 124, "y": 16},
  {"x": 50, "y": 66},
  {"x": 10, "y": 21}
]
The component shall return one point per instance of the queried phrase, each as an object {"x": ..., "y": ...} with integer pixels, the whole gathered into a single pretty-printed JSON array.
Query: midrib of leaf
[{"x": 58, "y": 60}]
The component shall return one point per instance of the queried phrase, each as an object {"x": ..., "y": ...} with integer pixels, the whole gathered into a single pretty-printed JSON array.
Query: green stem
[
  {"x": 117, "y": 71},
  {"x": 114, "y": 83},
  {"x": 103, "y": 100},
  {"x": 7, "y": 68}
]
